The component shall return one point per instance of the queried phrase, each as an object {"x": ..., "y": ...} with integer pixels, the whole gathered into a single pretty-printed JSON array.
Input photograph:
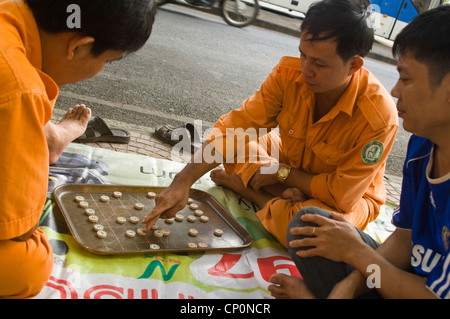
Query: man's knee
[
  {"x": 27, "y": 267},
  {"x": 297, "y": 221}
]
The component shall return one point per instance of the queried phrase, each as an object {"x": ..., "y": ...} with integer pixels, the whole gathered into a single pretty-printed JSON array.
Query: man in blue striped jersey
[{"x": 414, "y": 262}]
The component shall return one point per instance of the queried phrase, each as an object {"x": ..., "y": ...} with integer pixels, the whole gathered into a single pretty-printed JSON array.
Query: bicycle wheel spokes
[{"x": 240, "y": 13}]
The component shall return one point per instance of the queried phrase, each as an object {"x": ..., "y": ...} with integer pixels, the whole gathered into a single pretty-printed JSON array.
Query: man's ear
[
  {"x": 446, "y": 83},
  {"x": 356, "y": 63},
  {"x": 77, "y": 42}
]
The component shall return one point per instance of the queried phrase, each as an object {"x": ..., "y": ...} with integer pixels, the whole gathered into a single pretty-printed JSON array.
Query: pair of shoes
[
  {"x": 98, "y": 131},
  {"x": 174, "y": 135}
]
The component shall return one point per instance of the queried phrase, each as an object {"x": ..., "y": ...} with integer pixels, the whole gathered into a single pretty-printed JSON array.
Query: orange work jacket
[{"x": 346, "y": 150}]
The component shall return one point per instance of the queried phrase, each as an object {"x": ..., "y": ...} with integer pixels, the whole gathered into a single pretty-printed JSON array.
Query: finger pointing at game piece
[{"x": 167, "y": 204}]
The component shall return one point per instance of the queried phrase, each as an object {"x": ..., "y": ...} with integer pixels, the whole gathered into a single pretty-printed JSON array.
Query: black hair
[
  {"x": 123, "y": 25},
  {"x": 345, "y": 21},
  {"x": 427, "y": 38}
]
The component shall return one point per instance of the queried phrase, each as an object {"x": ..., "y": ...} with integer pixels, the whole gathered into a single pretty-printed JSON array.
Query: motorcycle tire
[{"x": 239, "y": 13}]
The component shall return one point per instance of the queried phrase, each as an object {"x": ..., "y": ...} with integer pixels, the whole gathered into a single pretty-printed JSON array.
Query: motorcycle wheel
[{"x": 239, "y": 13}]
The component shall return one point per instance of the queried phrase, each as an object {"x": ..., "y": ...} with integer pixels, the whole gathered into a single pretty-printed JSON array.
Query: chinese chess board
[{"x": 107, "y": 220}]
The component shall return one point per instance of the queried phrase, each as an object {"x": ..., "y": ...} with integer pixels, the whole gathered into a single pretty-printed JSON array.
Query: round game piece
[
  {"x": 169, "y": 220},
  {"x": 89, "y": 211},
  {"x": 93, "y": 219},
  {"x": 193, "y": 232},
  {"x": 191, "y": 218},
  {"x": 130, "y": 233},
  {"x": 140, "y": 231},
  {"x": 83, "y": 204},
  {"x": 101, "y": 234},
  {"x": 151, "y": 194},
  {"x": 179, "y": 217},
  {"x": 190, "y": 200},
  {"x": 166, "y": 232},
  {"x": 154, "y": 246},
  {"x": 117, "y": 194},
  {"x": 134, "y": 219},
  {"x": 104, "y": 198},
  {"x": 202, "y": 245},
  {"x": 121, "y": 220},
  {"x": 204, "y": 219},
  {"x": 218, "y": 232},
  {"x": 138, "y": 206},
  {"x": 155, "y": 226},
  {"x": 79, "y": 199},
  {"x": 193, "y": 206},
  {"x": 198, "y": 212},
  {"x": 98, "y": 227},
  {"x": 158, "y": 233},
  {"x": 192, "y": 245}
]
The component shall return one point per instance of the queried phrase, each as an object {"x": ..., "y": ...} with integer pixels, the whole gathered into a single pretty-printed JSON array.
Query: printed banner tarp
[{"x": 79, "y": 274}]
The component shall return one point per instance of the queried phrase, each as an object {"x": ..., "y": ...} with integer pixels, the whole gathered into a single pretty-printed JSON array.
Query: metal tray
[{"x": 234, "y": 236}]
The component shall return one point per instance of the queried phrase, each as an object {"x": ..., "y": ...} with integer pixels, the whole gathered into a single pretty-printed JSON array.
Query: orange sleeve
[
  {"x": 257, "y": 115},
  {"x": 24, "y": 161},
  {"x": 356, "y": 176}
]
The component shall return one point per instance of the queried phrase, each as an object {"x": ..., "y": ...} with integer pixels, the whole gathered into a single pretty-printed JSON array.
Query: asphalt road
[{"x": 196, "y": 67}]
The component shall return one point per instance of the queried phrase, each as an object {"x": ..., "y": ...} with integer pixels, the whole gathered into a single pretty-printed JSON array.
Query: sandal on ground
[
  {"x": 97, "y": 131},
  {"x": 174, "y": 135}
]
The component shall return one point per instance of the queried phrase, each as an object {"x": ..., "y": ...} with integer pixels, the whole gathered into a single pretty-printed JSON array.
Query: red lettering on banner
[
  {"x": 67, "y": 291},
  {"x": 225, "y": 264},
  {"x": 144, "y": 294},
  {"x": 103, "y": 290},
  {"x": 99, "y": 291},
  {"x": 268, "y": 268},
  {"x": 62, "y": 286}
]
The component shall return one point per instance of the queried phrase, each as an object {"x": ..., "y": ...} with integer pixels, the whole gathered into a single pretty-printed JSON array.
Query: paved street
[{"x": 195, "y": 67}]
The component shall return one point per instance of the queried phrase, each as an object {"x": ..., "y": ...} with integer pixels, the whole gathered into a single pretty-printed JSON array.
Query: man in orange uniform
[
  {"x": 39, "y": 52},
  {"x": 336, "y": 127}
]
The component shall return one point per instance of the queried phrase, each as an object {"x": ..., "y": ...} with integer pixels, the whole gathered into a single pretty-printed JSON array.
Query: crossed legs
[{"x": 319, "y": 274}]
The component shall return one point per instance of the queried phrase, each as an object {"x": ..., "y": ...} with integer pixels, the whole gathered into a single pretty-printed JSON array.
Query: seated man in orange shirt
[
  {"x": 336, "y": 125},
  {"x": 39, "y": 52}
]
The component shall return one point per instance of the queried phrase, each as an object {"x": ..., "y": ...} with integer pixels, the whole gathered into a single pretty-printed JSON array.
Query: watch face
[{"x": 283, "y": 173}]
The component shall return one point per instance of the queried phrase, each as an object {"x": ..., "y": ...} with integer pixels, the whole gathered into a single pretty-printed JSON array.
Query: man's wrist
[{"x": 283, "y": 173}]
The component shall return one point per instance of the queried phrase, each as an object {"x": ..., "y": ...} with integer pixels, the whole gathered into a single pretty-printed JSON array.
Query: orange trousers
[
  {"x": 277, "y": 213},
  {"x": 25, "y": 266}
]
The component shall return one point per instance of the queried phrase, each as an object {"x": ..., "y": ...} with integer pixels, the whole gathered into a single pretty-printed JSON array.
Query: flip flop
[
  {"x": 174, "y": 135},
  {"x": 98, "y": 131}
]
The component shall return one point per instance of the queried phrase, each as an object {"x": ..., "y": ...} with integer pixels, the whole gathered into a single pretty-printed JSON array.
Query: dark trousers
[{"x": 320, "y": 274}]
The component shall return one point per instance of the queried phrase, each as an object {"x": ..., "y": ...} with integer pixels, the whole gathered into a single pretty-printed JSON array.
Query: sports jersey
[{"x": 425, "y": 210}]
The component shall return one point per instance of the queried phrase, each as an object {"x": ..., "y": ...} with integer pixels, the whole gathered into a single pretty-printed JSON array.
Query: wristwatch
[{"x": 283, "y": 173}]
